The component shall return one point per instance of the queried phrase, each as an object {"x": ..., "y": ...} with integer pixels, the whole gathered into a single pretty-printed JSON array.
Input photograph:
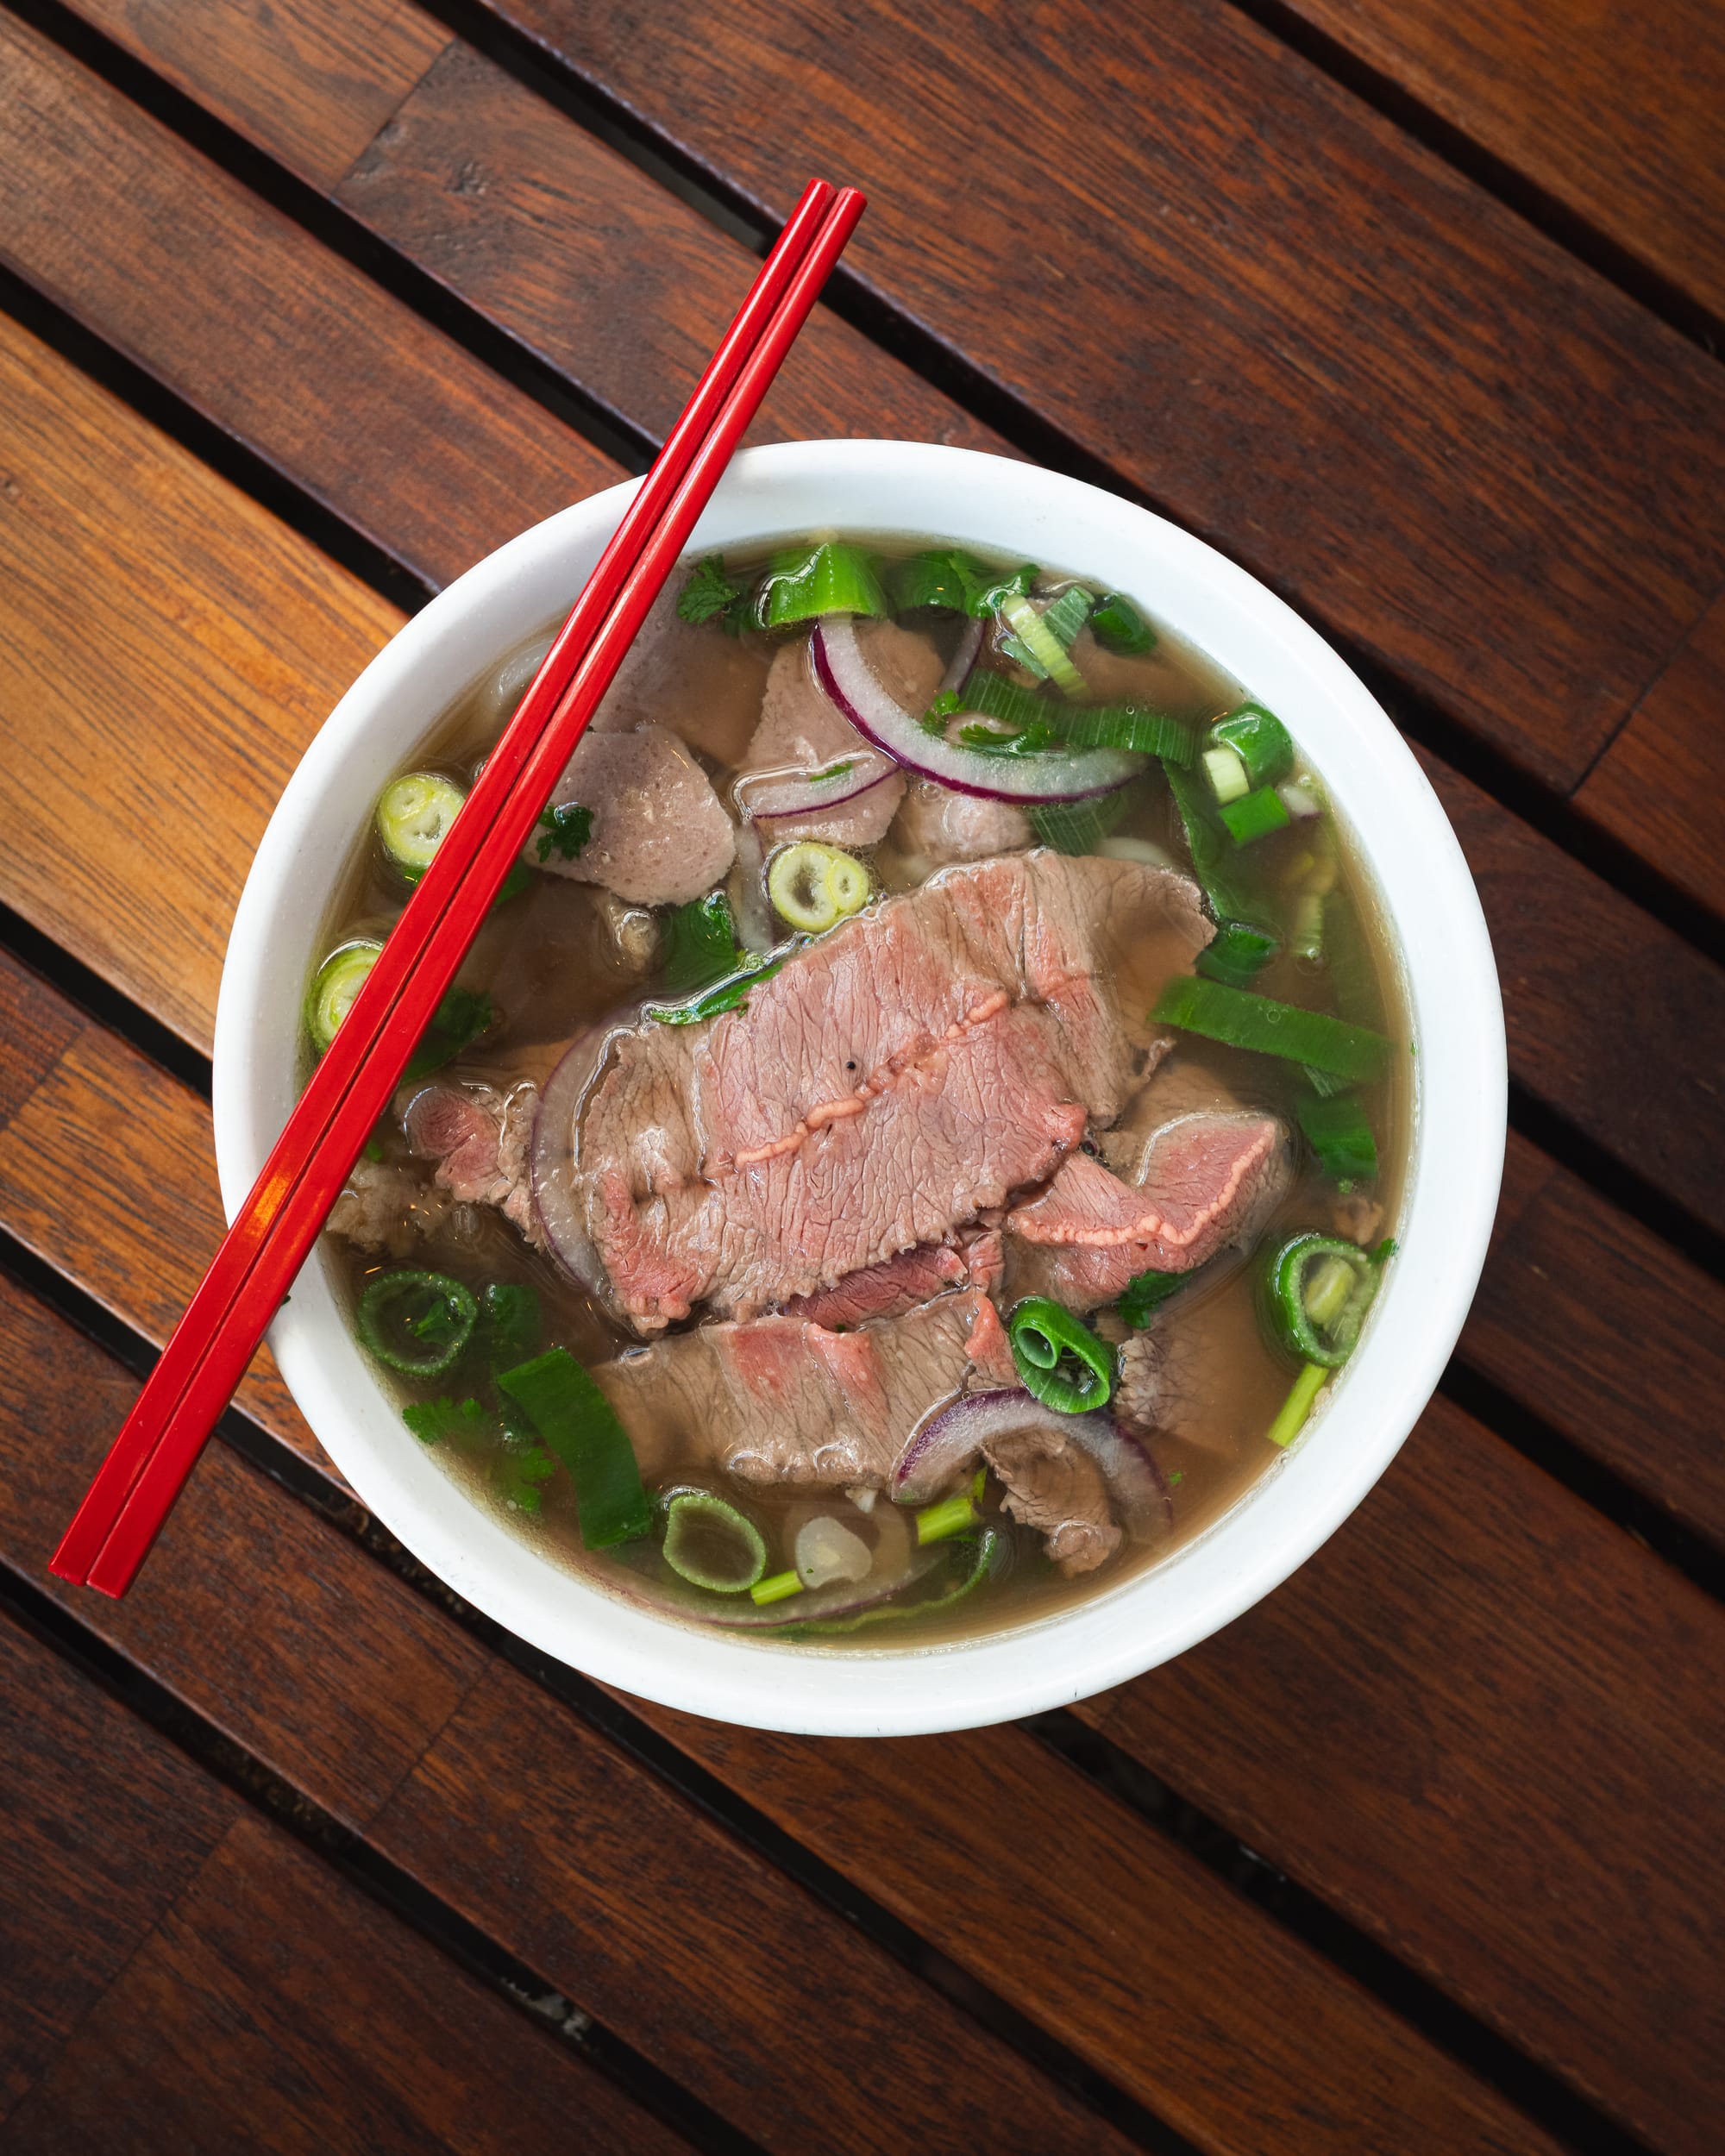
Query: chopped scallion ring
[
  {"x": 1060, "y": 1361},
  {"x": 1226, "y": 770},
  {"x": 709, "y": 1544},
  {"x": 1317, "y": 1290}
]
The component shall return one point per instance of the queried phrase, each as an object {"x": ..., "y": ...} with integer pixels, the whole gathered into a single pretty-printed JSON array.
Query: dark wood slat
[
  {"x": 1209, "y": 267},
  {"x": 1611, "y": 112},
  {"x": 1569, "y": 1018},
  {"x": 1486, "y": 1724},
  {"x": 1603, "y": 1331},
  {"x": 312, "y": 87},
  {"x": 276, "y": 2008},
  {"x": 101, "y": 1827},
  {"x": 1659, "y": 786},
  {"x": 242, "y": 313},
  {"x": 375, "y": 1673},
  {"x": 838, "y": 1800},
  {"x": 1595, "y": 989}
]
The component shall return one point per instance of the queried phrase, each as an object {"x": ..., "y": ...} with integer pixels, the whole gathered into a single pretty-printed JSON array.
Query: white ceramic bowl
[{"x": 1450, "y": 985}]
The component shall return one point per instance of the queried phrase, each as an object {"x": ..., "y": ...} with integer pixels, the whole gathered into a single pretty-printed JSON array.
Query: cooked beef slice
[
  {"x": 896, "y": 1079},
  {"x": 802, "y": 731},
  {"x": 478, "y": 1139},
  {"x": 1195, "y": 1374},
  {"x": 689, "y": 676},
  {"x": 972, "y": 1259},
  {"x": 936, "y": 826},
  {"x": 660, "y": 835},
  {"x": 782, "y": 1399},
  {"x": 1208, "y": 1180},
  {"x": 386, "y": 1206},
  {"x": 1056, "y": 1487}
]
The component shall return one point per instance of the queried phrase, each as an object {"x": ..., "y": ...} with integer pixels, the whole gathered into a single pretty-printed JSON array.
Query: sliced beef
[
  {"x": 479, "y": 1137},
  {"x": 1208, "y": 1180},
  {"x": 1196, "y": 1373},
  {"x": 782, "y": 1399},
  {"x": 802, "y": 731},
  {"x": 387, "y": 1206},
  {"x": 660, "y": 835},
  {"x": 1057, "y": 1489},
  {"x": 703, "y": 685},
  {"x": 936, "y": 826},
  {"x": 973, "y": 1259},
  {"x": 896, "y": 1079}
]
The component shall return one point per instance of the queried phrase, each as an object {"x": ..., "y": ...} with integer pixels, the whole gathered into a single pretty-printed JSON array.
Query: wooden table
[{"x": 1411, "y": 306}]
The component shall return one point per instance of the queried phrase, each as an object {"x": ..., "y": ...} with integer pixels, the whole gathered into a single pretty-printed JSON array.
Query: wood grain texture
[
  {"x": 1613, "y": 1020},
  {"x": 103, "y": 1825},
  {"x": 1483, "y": 1722},
  {"x": 1209, "y": 267},
  {"x": 1660, "y": 785},
  {"x": 212, "y": 640},
  {"x": 310, "y": 84},
  {"x": 276, "y": 339},
  {"x": 275, "y": 2008},
  {"x": 1012, "y": 1864},
  {"x": 1603, "y": 1331},
  {"x": 277, "y": 1629},
  {"x": 1612, "y": 109},
  {"x": 1204, "y": 1952}
]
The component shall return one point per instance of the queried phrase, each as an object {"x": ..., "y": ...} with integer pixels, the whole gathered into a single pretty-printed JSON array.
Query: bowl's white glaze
[{"x": 1450, "y": 984}]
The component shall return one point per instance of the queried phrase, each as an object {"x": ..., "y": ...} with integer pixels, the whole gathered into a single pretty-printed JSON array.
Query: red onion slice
[
  {"x": 845, "y": 674},
  {"x": 969, "y": 643},
  {"x": 551, "y": 1157},
  {"x": 950, "y": 1445}
]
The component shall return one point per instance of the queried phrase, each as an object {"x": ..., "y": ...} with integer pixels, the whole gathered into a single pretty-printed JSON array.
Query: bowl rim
[{"x": 1405, "y": 843}]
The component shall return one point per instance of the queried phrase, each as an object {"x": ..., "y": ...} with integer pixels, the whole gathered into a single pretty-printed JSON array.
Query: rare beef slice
[{"x": 896, "y": 1079}]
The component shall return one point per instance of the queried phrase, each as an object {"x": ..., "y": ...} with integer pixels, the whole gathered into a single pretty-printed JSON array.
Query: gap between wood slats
[
  {"x": 1449, "y": 2026},
  {"x": 1551, "y": 814},
  {"x": 394, "y": 1890}
]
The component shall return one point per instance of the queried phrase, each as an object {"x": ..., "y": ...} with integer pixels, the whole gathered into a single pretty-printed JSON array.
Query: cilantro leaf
[
  {"x": 433, "y": 1420},
  {"x": 833, "y": 771},
  {"x": 1146, "y": 1292},
  {"x": 708, "y": 592},
  {"x": 700, "y": 945},
  {"x": 458, "y": 1020},
  {"x": 564, "y": 831},
  {"x": 520, "y": 1474}
]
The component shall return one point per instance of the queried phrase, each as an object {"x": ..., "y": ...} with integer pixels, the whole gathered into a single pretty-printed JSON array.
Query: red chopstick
[{"x": 204, "y": 1361}]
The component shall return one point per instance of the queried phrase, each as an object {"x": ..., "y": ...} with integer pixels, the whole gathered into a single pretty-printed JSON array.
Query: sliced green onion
[
  {"x": 1032, "y": 631},
  {"x": 815, "y": 887},
  {"x": 413, "y": 817},
  {"x": 835, "y": 577},
  {"x": 779, "y": 1588},
  {"x": 992, "y": 696},
  {"x": 1237, "y": 953},
  {"x": 1339, "y": 1135},
  {"x": 1132, "y": 726},
  {"x": 951, "y": 1516},
  {"x": 1263, "y": 743},
  {"x": 1290, "y": 1418},
  {"x": 945, "y": 577},
  {"x": 1324, "y": 1083},
  {"x": 700, "y": 945},
  {"x": 1315, "y": 1291},
  {"x": 1118, "y": 626},
  {"x": 1348, "y": 956},
  {"x": 1256, "y": 817},
  {"x": 418, "y": 1323},
  {"x": 338, "y": 980},
  {"x": 1015, "y": 585},
  {"x": 1060, "y": 1361},
  {"x": 1065, "y": 616},
  {"x": 1144, "y": 1294},
  {"x": 990, "y": 740},
  {"x": 580, "y": 1425},
  {"x": 1226, "y": 770},
  {"x": 1079, "y": 827},
  {"x": 1242, "y": 1020},
  {"x": 1305, "y": 931},
  {"x": 991, "y": 1551},
  {"x": 1216, "y": 861},
  {"x": 709, "y": 1544}
]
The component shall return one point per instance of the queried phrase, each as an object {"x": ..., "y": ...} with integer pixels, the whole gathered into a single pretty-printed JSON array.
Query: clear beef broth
[{"x": 563, "y": 955}]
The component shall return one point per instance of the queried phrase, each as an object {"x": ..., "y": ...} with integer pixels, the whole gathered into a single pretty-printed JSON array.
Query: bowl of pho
[{"x": 963, "y": 1146}]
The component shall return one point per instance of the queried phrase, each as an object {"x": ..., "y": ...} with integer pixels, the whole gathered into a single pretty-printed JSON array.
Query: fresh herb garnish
[
  {"x": 458, "y": 1022},
  {"x": 728, "y": 995},
  {"x": 700, "y": 945},
  {"x": 1144, "y": 1295},
  {"x": 432, "y": 1421},
  {"x": 1015, "y": 741},
  {"x": 520, "y": 1474},
  {"x": 708, "y": 592},
  {"x": 933, "y": 720},
  {"x": 833, "y": 771},
  {"x": 564, "y": 829}
]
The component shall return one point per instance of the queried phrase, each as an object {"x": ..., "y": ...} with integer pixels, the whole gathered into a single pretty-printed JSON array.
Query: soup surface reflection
[{"x": 920, "y": 1126}]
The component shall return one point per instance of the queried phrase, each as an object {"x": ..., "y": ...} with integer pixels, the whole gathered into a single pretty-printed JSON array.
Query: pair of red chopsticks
[{"x": 147, "y": 1465}]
